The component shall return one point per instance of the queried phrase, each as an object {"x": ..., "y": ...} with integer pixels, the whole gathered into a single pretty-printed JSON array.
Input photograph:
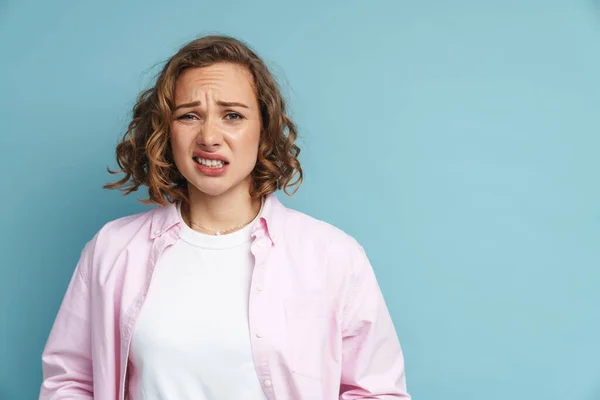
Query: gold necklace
[
  {"x": 221, "y": 232},
  {"x": 224, "y": 231}
]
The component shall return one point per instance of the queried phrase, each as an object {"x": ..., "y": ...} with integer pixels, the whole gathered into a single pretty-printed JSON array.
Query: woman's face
[{"x": 215, "y": 130}]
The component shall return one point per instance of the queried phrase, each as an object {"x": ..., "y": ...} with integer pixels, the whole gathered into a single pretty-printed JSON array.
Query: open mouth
[{"x": 210, "y": 163}]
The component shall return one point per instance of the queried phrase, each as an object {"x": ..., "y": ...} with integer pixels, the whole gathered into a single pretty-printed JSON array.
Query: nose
[{"x": 210, "y": 136}]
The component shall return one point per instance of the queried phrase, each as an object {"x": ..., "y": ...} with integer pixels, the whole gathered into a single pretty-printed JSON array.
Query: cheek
[
  {"x": 251, "y": 146},
  {"x": 253, "y": 140},
  {"x": 179, "y": 142},
  {"x": 179, "y": 152},
  {"x": 244, "y": 143}
]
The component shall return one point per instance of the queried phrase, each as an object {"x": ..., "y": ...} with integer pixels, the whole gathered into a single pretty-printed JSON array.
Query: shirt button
[
  {"x": 259, "y": 335},
  {"x": 259, "y": 289},
  {"x": 268, "y": 383}
]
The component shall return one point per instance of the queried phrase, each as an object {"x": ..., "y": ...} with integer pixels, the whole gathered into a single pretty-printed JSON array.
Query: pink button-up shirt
[{"x": 319, "y": 326}]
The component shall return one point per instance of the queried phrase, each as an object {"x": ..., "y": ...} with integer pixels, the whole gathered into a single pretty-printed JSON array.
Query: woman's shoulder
[
  {"x": 320, "y": 232},
  {"x": 307, "y": 236},
  {"x": 127, "y": 225},
  {"x": 118, "y": 233}
]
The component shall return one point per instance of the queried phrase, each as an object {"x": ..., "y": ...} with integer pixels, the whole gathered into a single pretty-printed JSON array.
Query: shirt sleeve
[
  {"x": 67, "y": 357},
  {"x": 372, "y": 359}
]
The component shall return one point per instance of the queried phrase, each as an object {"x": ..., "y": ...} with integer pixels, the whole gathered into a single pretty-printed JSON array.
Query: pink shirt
[{"x": 319, "y": 326}]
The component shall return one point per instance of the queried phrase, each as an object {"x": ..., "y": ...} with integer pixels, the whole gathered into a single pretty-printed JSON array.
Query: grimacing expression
[{"x": 215, "y": 130}]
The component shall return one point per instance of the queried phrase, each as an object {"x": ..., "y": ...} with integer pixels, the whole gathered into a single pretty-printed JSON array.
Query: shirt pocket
[{"x": 306, "y": 320}]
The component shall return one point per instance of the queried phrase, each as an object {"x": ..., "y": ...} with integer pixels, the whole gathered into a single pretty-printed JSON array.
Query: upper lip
[{"x": 209, "y": 156}]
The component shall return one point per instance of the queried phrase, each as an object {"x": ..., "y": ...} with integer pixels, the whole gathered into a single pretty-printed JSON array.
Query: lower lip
[{"x": 210, "y": 171}]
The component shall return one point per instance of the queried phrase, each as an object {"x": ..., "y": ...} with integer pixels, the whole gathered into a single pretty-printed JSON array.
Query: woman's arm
[
  {"x": 67, "y": 357},
  {"x": 373, "y": 364}
]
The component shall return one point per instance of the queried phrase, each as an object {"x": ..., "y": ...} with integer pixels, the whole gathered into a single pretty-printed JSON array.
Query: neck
[{"x": 219, "y": 213}]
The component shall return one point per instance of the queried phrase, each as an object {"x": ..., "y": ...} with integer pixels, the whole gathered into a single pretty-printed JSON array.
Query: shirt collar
[
  {"x": 271, "y": 219},
  {"x": 270, "y": 222},
  {"x": 163, "y": 219}
]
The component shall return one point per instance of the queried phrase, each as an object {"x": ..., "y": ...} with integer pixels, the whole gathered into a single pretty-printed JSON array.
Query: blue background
[{"x": 457, "y": 141}]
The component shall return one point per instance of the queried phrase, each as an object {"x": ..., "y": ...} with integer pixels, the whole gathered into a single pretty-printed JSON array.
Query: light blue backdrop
[{"x": 457, "y": 140}]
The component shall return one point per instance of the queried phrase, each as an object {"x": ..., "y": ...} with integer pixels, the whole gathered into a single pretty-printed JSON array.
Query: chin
[
  {"x": 213, "y": 189},
  {"x": 210, "y": 190}
]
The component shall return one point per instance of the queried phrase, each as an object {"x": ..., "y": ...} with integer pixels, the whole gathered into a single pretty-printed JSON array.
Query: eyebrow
[
  {"x": 188, "y": 105},
  {"x": 219, "y": 103}
]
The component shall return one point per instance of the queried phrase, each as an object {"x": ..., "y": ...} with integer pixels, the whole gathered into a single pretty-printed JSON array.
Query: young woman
[{"x": 219, "y": 292}]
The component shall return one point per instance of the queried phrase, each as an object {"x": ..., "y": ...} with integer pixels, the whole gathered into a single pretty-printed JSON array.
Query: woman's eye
[
  {"x": 187, "y": 117},
  {"x": 233, "y": 116}
]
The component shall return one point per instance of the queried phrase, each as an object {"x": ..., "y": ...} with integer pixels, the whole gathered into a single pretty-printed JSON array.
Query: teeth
[{"x": 210, "y": 163}]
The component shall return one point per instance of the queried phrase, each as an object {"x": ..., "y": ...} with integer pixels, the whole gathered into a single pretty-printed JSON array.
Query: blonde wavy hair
[{"x": 145, "y": 156}]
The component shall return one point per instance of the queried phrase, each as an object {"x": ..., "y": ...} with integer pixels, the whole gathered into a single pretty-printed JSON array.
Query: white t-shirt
[{"x": 191, "y": 339}]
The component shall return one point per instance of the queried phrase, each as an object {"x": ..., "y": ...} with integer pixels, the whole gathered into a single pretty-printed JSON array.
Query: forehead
[{"x": 221, "y": 79}]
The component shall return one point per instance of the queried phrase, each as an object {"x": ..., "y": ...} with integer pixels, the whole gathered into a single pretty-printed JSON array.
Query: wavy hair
[{"x": 144, "y": 153}]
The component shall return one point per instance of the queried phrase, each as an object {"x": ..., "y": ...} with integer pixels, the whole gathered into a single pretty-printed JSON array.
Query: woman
[{"x": 220, "y": 292}]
